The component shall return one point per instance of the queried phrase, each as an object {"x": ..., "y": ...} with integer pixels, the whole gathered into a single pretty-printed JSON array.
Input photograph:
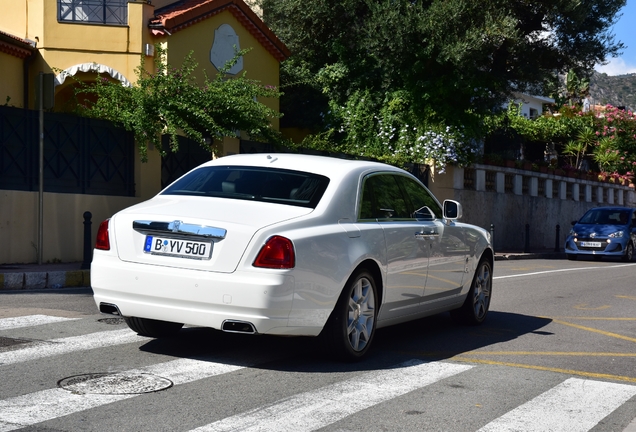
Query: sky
[{"x": 625, "y": 31}]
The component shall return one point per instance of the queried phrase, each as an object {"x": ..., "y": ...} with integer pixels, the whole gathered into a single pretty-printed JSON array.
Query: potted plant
[
  {"x": 543, "y": 166},
  {"x": 570, "y": 171},
  {"x": 493, "y": 159}
]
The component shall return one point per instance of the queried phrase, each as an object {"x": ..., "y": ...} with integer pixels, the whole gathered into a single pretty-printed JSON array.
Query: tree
[
  {"x": 455, "y": 60},
  {"x": 169, "y": 101}
]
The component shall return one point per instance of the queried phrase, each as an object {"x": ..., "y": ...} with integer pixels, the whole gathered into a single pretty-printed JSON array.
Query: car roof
[{"x": 323, "y": 165}]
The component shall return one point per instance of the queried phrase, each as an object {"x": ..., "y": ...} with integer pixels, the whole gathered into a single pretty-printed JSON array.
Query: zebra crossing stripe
[
  {"x": 30, "y": 320},
  {"x": 316, "y": 409},
  {"x": 67, "y": 345},
  {"x": 575, "y": 405},
  {"x": 30, "y": 409}
]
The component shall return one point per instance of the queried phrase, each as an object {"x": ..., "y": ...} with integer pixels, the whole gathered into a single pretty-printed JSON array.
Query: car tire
[
  {"x": 477, "y": 303},
  {"x": 629, "y": 252},
  {"x": 152, "y": 328},
  {"x": 350, "y": 329},
  {"x": 571, "y": 257}
]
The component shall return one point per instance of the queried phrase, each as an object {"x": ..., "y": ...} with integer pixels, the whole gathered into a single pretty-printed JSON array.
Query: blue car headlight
[
  {"x": 572, "y": 233},
  {"x": 617, "y": 234}
]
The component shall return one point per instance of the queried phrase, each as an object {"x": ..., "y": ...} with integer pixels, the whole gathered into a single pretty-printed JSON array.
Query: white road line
[
  {"x": 67, "y": 345},
  {"x": 316, "y": 409},
  {"x": 30, "y": 320},
  {"x": 575, "y": 405},
  {"x": 30, "y": 409},
  {"x": 563, "y": 270}
]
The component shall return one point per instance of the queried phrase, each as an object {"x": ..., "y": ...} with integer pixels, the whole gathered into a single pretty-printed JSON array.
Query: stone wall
[{"x": 506, "y": 200}]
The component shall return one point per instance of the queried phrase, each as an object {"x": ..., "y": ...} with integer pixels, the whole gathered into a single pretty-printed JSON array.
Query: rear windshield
[
  {"x": 606, "y": 217},
  {"x": 252, "y": 183}
]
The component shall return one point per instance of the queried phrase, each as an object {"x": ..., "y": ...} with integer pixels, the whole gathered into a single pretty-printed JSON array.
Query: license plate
[
  {"x": 179, "y": 248},
  {"x": 590, "y": 244}
]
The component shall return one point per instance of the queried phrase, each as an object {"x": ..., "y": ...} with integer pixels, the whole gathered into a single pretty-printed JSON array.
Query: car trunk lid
[{"x": 199, "y": 233}]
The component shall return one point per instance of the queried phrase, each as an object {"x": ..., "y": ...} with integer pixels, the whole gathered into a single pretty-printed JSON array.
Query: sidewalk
[{"x": 68, "y": 275}]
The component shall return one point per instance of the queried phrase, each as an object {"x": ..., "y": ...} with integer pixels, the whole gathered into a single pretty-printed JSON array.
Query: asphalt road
[{"x": 556, "y": 353}]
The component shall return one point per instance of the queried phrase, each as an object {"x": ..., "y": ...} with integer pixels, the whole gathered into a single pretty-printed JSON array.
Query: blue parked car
[{"x": 603, "y": 231}]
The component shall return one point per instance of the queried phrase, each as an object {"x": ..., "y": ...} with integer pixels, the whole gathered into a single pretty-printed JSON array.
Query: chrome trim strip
[{"x": 178, "y": 227}]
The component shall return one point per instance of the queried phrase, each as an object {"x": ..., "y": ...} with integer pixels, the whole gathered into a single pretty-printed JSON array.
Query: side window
[
  {"x": 382, "y": 199},
  {"x": 421, "y": 204}
]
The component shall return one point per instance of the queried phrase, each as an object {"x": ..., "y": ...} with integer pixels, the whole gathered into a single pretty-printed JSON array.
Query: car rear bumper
[{"x": 262, "y": 298}]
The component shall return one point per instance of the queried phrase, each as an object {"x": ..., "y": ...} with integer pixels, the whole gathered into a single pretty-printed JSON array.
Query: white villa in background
[{"x": 531, "y": 106}]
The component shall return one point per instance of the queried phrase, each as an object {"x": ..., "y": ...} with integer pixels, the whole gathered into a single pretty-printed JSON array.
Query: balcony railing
[{"x": 93, "y": 11}]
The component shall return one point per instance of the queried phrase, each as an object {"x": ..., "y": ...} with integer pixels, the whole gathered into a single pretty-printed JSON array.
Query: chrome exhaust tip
[
  {"x": 233, "y": 326},
  {"x": 109, "y": 309}
]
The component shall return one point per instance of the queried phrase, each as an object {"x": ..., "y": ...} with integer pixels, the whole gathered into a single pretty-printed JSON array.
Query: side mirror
[
  {"x": 573, "y": 223},
  {"x": 452, "y": 210}
]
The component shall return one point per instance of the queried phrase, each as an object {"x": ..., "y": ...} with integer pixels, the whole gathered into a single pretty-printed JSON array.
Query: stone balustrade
[
  {"x": 500, "y": 179},
  {"x": 525, "y": 207}
]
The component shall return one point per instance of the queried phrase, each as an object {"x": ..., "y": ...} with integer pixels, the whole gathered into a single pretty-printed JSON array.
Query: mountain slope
[{"x": 617, "y": 90}]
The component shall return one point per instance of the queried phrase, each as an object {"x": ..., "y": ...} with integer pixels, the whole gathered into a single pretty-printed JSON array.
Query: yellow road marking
[
  {"x": 596, "y": 318},
  {"x": 548, "y": 369},
  {"x": 553, "y": 353},
  {"x": 593, "y": 330},
  {"x": 626, "y": 297},
  {"x": 583, "y": 307}
]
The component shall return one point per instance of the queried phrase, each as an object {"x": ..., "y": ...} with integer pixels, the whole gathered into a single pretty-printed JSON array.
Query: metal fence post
[
  {"x": 557, "y": 243},
  {"x": 526, "y": 247},
  {"x": 88, "y": 249}
]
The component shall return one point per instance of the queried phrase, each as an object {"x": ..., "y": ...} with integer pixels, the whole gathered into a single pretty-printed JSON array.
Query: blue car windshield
[
  {"x": 605, "y": 217},
  {"x": 252, "y": 183}
]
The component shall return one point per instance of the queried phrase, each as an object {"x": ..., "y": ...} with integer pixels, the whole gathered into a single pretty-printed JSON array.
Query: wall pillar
[
  {"x": 534, "y": 186},
  {"x": 599, "y": 194},
  {"x": 563, "y": 190},
  {"x": 480, "y": 180},
  {"x": 500, "y": 182},
  {"x": 548, "y": 188},
  {"x": 575, "y": 191},
  {"x": 518, "y": 185}
]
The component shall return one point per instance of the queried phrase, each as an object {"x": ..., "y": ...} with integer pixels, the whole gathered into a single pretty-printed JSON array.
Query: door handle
[{"x": 428, "y": 235}]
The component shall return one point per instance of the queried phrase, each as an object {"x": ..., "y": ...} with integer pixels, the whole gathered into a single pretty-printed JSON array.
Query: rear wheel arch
[{"x": 372, "y": 267}]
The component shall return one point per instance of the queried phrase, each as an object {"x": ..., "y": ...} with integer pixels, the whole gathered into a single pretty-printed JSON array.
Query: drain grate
[
  {"x": 111, "y": 321},
  {"x": 121, "y": 383}
]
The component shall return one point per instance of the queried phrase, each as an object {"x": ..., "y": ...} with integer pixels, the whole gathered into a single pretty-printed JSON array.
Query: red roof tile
[
  {"x": 15, "y": 46},
  {"x": 184, "y": 14}
]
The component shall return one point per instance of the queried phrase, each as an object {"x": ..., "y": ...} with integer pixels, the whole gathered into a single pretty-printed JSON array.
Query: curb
[
  {"x": 44, "y": 280},
  {"x": 522, "y": 256}
]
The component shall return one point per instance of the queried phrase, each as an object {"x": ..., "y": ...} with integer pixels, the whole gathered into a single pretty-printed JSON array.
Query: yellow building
[
  {"x": 77, "y": 40},
  {"x": 15, "y": 54}
]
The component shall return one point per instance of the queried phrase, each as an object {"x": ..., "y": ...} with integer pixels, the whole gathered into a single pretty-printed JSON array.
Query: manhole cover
[
  {"x": 114, "y": 383},
  {"x": 111, "y": 321}
]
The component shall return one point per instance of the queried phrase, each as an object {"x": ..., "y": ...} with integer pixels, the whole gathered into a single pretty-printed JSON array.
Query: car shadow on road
[{"x": 428, "y": 339}]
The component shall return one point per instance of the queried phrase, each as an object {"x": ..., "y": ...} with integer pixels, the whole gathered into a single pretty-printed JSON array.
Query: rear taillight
[
  {"x": 277, "y": 253},
  {"x": 103, "y": 242}
]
